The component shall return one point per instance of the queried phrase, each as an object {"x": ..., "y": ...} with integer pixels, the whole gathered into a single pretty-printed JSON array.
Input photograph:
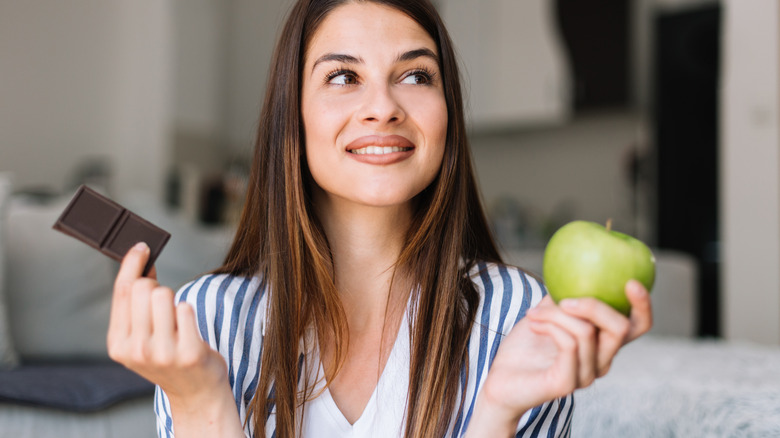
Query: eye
[
  {"x": 341, "y": 77},
  {"x": 418, "y": 77}
]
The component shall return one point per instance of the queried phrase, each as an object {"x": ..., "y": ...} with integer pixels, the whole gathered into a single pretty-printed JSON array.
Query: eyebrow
[
  {"x": 340, "y": 57},
  {"x": 418, "y": 53},
  {"x": 349, "y": 59}
]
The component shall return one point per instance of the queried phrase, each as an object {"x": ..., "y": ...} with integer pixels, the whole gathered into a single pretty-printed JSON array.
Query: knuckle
[
  {"x": 143, "y": 286},
  {"x": 122, "y": 286},
  {"x": 193, "y": 356},
  {"x": 163, "y": 357},
  {"x": 588, "y": 380},
  {"x": 162, "y": 294},
  {"x": 569, "y": 345},
  {"x": 623, "y": 329},
  {"x": 115, "y": 352},
  {"x": 162, "y": 289},
  {"x": 587, "y": 331},
  {"x": 139, "y": 352},
  {"x": 190, "y": 359},
  {"x": 588, "y": 304},
  {"x": 121, "y": 353}
]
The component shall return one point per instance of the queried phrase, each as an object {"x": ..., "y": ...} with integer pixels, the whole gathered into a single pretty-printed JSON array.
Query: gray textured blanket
[{"x": 684, "y": 388}]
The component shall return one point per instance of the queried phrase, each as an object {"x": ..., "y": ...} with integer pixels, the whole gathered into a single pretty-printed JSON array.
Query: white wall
[
  {"x": 750, "y": 171},
  {"x": 575, "y": 171},
  {"x": 253, "y": 28},
  {"x": 81, "y": 79},
  {"x": 200, "y": 66},
  {"x": 57, "y": 86},
  {"x": 145, "y": 92}
]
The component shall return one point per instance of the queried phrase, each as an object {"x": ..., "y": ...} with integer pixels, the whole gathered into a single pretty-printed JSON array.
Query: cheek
[
  {"x": 314, "y": 121},
  {"x": 324, "y": 118},
  {"x": 433, "y": 118},
  {"x": 318, "y": 131},
  {"x": 429, "y": 109}
]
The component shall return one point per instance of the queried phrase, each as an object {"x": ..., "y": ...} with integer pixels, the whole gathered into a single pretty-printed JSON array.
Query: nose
[{"x": 380, "y": 106}]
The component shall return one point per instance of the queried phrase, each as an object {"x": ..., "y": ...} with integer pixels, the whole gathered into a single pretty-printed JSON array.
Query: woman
[{"x": 363, "y": 294}]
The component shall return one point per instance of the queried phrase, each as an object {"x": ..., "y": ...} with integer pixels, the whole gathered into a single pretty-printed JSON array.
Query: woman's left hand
[{"x": 553, "y": 351}]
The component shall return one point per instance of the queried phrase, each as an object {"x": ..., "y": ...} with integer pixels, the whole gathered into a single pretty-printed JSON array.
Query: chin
[{"x": 385, "y": 198}]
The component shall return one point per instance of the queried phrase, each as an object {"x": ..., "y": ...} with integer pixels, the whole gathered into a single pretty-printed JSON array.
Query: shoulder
[
  {"x": 224, "y": 301},
  {"x": 211, "y": 285},
  {"x": 506, "y": 293}
]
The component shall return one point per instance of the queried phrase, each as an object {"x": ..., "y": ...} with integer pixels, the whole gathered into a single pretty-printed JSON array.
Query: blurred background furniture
[
  {"x": 56, "y": 378},
  {"x": 681, "y": 387}
]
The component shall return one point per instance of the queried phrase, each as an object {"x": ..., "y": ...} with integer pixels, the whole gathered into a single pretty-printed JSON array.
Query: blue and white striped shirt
[{"x": 231, "y": 312}]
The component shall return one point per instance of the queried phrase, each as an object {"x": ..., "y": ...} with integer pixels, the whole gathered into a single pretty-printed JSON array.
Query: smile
[{"x": 379, "y": 150}]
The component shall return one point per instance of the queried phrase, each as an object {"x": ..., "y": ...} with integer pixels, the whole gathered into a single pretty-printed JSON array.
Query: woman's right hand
[{"x": 152, "y": 336}]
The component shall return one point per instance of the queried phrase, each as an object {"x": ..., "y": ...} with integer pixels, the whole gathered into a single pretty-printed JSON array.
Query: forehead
[{"x": 365, "y": 28}]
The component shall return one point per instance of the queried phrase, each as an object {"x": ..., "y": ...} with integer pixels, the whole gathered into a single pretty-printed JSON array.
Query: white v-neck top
[
  {"x": 231, "y": 315},
  {"x": 322, "y": 417}
]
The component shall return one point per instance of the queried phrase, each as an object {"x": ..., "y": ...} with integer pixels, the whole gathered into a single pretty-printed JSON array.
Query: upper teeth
[{"x": 378, "y": 150}]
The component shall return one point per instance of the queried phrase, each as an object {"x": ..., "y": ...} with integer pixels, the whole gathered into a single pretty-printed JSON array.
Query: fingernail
[
  {"x": 140, "y": 247},
  {"x": 570, "y": 303}
]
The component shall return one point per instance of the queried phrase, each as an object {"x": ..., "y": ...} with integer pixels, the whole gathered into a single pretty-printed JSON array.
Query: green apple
[{"x": 585, "y": 259}]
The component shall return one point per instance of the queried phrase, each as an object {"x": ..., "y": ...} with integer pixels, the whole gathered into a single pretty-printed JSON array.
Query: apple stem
[{"x": 609, "y": 224}]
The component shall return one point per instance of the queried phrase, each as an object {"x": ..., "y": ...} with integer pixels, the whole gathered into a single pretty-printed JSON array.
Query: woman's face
[{"x": 373, "y": 106}]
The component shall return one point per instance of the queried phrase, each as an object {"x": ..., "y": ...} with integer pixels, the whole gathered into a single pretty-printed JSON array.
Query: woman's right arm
[{"x": 159, "y": 340}]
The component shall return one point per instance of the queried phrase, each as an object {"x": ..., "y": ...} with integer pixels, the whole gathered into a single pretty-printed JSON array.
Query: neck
[{"x": 365, "y": 242}]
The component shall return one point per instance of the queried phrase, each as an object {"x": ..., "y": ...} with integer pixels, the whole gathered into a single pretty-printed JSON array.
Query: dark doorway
[{"x": 687, "y": 47}]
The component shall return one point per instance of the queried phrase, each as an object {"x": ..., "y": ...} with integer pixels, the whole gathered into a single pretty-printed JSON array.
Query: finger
[
  {"x": 163, "y": 313},
  {"x": 585, "y": 334},
  {"x": 133, "y": 264},
  {"x": 641, "y": 310},
  {"x": 119, "y": 315},
  {"x": 546, "y": 301},
  {"x": 163, "y": 336},
  {"x": 612, "y": 327},
  {"x": 129, "y": 271},
  {"x": 141, "y": 305},
  {"x": 189, "y": 335},
  {"x": 564, "y": 373}
]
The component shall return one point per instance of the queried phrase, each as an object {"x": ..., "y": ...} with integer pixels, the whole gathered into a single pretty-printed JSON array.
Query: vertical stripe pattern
[{"x": 231, "y": 313}]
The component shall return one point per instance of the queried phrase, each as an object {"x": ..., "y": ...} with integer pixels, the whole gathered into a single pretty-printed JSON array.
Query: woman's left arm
[{"x": 553, "y": 351}]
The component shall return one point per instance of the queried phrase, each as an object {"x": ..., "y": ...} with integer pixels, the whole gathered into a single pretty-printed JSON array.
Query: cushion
[
  {"x": 59, "y": 289},
  {"x": 79, "y": 387},
  {"x": 8, "y": 356}
]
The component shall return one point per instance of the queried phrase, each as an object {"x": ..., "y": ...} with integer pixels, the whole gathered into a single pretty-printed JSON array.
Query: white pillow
[
  {"x": 8, "y": 356},
  {"x": 59, "y": 289}
]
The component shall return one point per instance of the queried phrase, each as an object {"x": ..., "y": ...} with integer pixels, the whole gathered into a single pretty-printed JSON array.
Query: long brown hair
[{"x": 280, "y": 238}]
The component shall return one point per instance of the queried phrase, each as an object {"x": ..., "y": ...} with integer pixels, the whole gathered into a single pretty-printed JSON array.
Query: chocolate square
[
  {"x": 107, "y": 226},
  {"x": 89, "y": 217}
]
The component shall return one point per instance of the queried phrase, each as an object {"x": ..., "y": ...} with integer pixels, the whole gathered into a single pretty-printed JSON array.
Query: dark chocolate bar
[{"x": 108, "y": 227}]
